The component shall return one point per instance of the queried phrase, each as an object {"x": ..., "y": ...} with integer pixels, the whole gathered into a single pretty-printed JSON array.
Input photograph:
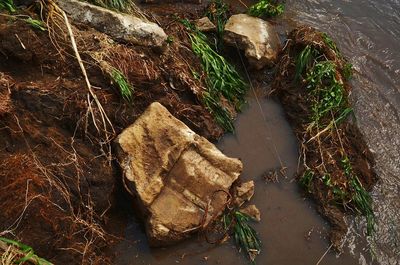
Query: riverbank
[{"x": 48, "y": 129}]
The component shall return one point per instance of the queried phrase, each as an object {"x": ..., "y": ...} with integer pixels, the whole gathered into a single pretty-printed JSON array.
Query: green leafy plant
[
  {"x": 37, "y": 24},
  {"x": 245, "y": 236},
  {"x": 266, "y": 8},
  {"x": 121, "y": 81},
  {"x": 7, "y": 5},
  {"x": 222, "y": 80},
  {"x": 25, "y": 251},
  {"x": 328, "y": 94}
]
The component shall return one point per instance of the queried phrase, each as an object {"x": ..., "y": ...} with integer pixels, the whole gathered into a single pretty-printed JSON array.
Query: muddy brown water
[
  {"x": 368, "y": 32},
  {"x": 291, "y": 230}
]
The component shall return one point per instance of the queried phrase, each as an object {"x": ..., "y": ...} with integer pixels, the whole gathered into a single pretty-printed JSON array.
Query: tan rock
[
  {"x": 176, "y": 175},
  {"x": 255, "y": 36},
  {"x": 252, "y": 211},
  {"x": 243, "y": 192},
  {"x": 119, "y": 26},
  {"x": 204, "y": 24}
]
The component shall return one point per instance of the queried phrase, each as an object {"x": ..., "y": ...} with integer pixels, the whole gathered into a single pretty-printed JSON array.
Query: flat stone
[
  {"x": 127, "y": 28},
  {"x": 204, "y": 24},
  {"x": 243, "y": 192},
  {"x": 179, "y": 179},
  {"x": 256, "y": 37},
  {"x": 252, "y": 211}
]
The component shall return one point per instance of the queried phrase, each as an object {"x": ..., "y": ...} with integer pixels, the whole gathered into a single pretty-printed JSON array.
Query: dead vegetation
[
  {"x": 336, "y": 169},
  {"x": 57, "y": 175}
]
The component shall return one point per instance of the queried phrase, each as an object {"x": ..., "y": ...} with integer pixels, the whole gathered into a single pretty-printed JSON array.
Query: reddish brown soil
[{"x": 57, "y": 179}]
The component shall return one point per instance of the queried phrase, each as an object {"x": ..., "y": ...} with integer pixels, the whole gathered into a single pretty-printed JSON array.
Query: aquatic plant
[
  {"x": 223, "y": 81},
  {"x": 17, "y": 253},
  {"x": 312, "y": 81},
  {"x": 329, "y": 107},
  {"x": 328, "y": 95},
  {"x": 122, "y": 82},
  {"x": 360, "y": 197},
  {"x": 245, "y": 236},
  {"x": 266, "y": 8},
  {"x": 7, "y": 5}
]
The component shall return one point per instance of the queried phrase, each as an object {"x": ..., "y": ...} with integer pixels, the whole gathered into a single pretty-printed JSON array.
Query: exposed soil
[
  {"x": 58, "y": 178},
  {"x": 57, "y": 174}
]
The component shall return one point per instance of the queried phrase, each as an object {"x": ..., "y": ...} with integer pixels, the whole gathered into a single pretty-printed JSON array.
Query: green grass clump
[
  {"x": 328, "y": 94},
  {"x": 218, "y": 13},
  {"x": 266, "y": 8},
  {"x": 328, "y": 106},
  {"x": 304, "y": 59},
  {"x": 121, "y": 81},
  {"x": 245, "y": 236},
  {"x": 360, "y": 197},
  {"x": 24, "y": 253},
  {"x": 7, "y": 5},
  {"x": 331, "y": 44},
  {"x": 222, "y": 80},
  {"x": 306, "y": 179},
  {"x": 348, "y": 71}
]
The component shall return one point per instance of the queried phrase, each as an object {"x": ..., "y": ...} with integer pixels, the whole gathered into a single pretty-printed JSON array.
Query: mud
[
  {"x": 57, "y": 176},
  {"x": 52, "y": 158}
]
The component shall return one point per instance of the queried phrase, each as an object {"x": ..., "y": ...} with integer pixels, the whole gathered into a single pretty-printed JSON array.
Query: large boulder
[
  {"x": 119, "y": 26},
  {"x": 255, "y": 36},
  {"x": 179, "y": 179}
]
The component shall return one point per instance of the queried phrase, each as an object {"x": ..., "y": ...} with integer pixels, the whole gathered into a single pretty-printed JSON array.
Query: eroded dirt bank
[
  {"x": 55, "y": 160},
  {"x": 57, "y": 176}
]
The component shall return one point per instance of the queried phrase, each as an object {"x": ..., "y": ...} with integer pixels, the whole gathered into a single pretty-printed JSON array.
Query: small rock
[
  {"x": 204, "y": 24},
  {"x": 243, "y": 192},
  {"x": 176, "y": 176},
  {"x": 119, "y": 26},
  {"x": 252, "y": 211},
  {"x": 255, "y": 36}
]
